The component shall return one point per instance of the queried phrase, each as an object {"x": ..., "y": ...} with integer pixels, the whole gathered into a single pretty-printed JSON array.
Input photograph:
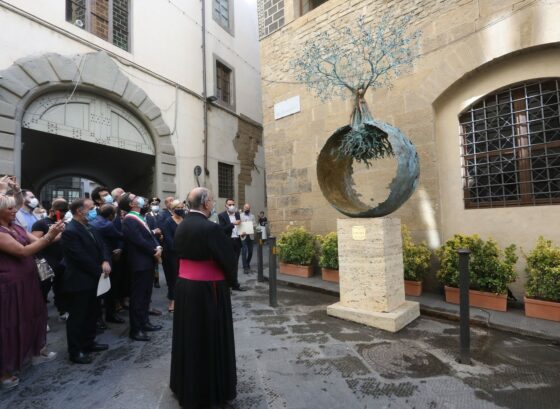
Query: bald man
[{"x": 203, "y": 367}]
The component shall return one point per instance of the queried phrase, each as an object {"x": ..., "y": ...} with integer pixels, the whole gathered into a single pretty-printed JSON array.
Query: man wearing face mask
[
  {"x": 113, "y": 240},
  {"x": 101, "y": 195},
  {"x": 53, "y": 254},
  {"x": 143, "y": 252},
  {"x": 24, "y": 216},
  {"x": 247, "y": 239},
  {"x": 86, "y": 259},
  {"x": 154, "y": 220},
  {"x": 229, "y": 220}
]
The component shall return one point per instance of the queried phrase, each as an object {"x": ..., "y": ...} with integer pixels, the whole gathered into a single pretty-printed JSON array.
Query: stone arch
[
  {"x": 31, "y": 77},
  {"x": 531, "y": 28}
]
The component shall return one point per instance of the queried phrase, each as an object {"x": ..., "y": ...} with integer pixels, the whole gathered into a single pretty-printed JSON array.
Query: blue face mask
[
  {"x": 91, "y": 215},
  {"x": 108, "y": 199},
  {"x": 141, "y": 202}
]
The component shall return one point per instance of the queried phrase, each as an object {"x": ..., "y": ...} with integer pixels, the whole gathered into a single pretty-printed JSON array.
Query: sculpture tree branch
[{"x": 349, "y": 59}]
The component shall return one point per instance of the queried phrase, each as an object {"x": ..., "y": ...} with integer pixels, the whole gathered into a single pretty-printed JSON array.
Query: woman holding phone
[{"x": 23, "y": 322}]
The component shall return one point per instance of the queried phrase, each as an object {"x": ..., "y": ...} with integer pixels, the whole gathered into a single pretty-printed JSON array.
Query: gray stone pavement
[{"x": 295, "y": 356}]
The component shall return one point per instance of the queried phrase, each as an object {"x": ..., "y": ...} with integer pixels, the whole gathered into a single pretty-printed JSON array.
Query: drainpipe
[{"x": 204, "y": 91}]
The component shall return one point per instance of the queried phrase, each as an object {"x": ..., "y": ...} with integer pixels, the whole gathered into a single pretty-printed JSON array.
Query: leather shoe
[
  {"x": 149, "y": 327},
  {"x": 139, "y": 336},
  {"x": 81, "y": 358},
  {"x": 239, "y": 288},
  {"x": 115, "y": 319},
  {"x": 155, "y": 312},
  {"x": 101, "y": 325},
  {"x": 95, "y": 347}
]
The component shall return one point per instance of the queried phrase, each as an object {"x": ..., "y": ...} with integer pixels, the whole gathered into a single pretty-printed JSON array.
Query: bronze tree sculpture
[{"x": 342, "y": 62}]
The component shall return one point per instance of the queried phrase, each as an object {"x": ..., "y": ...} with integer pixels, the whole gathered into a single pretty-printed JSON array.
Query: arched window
[{"x": 511, "y": 146}]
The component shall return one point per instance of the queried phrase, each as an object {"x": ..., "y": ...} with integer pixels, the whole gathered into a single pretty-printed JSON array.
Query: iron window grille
[
  {"x": 511, "y": 147},
  {"x": 223, "y": 83},
  {"x": 107, "y": 19},
  {"x": 225, "y": 180}
]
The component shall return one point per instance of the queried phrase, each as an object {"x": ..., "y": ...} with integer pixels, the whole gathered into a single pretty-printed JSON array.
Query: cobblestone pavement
[{"x": 297, "y": 357}]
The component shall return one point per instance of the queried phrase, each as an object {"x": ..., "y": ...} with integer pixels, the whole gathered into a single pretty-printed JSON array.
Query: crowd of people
[{"x": 123, "y": 237}]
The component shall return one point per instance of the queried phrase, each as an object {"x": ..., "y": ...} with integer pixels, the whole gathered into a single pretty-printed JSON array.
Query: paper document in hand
[
  {"x": 104, "y": 285},
  {"x": 245, "y": 227}
]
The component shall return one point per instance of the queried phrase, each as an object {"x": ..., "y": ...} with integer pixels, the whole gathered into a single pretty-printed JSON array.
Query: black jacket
[
  {"x": 226, "y": 224},
  {"x": 197, "y": 238},
  {"x": 140, "y": 245},
  {"x": 83, "y": 256}
]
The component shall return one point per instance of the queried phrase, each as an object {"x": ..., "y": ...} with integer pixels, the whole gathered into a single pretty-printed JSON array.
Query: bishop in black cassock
[{"x": 203, "y": 369}]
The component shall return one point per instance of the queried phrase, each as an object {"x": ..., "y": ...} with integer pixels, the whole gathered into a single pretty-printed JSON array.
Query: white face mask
[
  {"x": 40, "y": 215},
  {"x": 231, "y": 209},
  {"x": 155, "y": 209},
  {"x": 33, "y": 203}
]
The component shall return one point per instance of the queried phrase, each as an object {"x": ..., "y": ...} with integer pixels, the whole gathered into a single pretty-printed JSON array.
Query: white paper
[
  {"x": 245, "y": 227},
  {"x": 104, "y": 285}
]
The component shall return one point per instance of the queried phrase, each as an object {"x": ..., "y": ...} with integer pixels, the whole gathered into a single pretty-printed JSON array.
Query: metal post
[
  {"x": 464, "y": 312},
  {"x": 272, "y": 273},
  {"x": 260, "y": 276}
]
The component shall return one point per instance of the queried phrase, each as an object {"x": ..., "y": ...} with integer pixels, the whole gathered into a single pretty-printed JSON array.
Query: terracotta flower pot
[
  {"x": 329, "y": 274},
  {"x": 480, "y": 299},
  {"x": 547, "y": 310},
  {"x": 413, "y": 288},
  {"x": 296, "y": 270}
]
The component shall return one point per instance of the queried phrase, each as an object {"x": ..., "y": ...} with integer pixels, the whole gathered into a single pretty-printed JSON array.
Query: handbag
[{"x": 45, "y": 271}]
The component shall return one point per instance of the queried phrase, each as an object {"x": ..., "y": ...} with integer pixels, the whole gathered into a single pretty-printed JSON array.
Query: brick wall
[
  {"x": 451, "y": 47},
  {"x": 246, "y": 143},
  {"x": 271, "y": 16}
]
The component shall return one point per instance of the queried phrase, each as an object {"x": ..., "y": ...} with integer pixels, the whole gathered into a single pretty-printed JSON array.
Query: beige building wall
[{"x": 468, "y": 49}]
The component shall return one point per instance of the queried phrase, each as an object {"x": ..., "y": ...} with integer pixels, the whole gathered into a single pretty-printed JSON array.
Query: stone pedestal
[{"x": 371, "y": 274}]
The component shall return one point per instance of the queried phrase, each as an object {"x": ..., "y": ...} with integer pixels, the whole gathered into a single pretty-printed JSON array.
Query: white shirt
[{"x": 232, "y": 220}]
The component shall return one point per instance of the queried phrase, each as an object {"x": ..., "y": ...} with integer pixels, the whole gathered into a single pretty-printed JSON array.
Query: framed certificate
[{"x": 245, "y": 227}]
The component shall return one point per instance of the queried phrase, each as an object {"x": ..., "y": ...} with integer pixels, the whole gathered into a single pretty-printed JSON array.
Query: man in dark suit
[
  {"x": 143, "y": 252},
  {"x": 229, "y": 219},
  {"x": 154, "y": 219},
  {"x": 86, "y": 259},
  {"x": 113, "y": 240}
]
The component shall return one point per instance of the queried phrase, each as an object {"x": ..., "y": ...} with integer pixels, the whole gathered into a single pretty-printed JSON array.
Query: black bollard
[
  {"x": 464, "y": 312},
  {"x": 260, "y": 276},
  {"x": 272, "y": 296}
]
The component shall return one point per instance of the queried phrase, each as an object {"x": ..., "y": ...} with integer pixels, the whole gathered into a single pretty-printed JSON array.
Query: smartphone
[{"x": 58, "y": 216}]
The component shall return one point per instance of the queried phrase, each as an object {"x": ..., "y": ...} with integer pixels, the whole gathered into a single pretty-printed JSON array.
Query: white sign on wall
[{"x": 287, "y": 107}]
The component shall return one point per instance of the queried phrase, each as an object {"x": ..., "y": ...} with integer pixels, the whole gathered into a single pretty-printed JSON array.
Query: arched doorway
[
  {"x": 85, "y": 135},
  {"x": 82, "y": 116},
  {"x": 67, "y": 187}
]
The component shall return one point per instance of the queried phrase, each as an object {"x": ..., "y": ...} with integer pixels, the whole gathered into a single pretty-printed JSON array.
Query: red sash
[{"x": 200, "y": 270}]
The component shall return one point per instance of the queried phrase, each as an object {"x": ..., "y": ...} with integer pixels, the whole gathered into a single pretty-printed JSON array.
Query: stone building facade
[
  {"x": 133, "y": 94},
  {"x": 473, "y": 54}
]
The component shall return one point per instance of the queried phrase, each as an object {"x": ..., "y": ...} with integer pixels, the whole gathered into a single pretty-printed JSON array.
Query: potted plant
[
  {"x": 328, "y": 261},
  {"x": 490, "y": 271},
  {"x": 416, "y": 260},
  {"x": 542, "y": 290},
  {"x": 296, "y": 251}
]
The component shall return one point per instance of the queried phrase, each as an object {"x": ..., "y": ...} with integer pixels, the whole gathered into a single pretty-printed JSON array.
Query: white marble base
[{"x": 389, "y": 321}]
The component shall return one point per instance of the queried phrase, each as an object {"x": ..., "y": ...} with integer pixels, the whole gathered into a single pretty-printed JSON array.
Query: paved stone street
[{"x": 297, "y": 357}]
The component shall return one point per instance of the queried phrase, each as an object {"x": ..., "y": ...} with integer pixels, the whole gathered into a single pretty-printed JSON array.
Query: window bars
[{"x": 511, "y": 147}]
